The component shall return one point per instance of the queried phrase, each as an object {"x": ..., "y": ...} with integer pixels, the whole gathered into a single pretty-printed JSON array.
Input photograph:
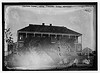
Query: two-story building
[{"x": 56, "y": 34}]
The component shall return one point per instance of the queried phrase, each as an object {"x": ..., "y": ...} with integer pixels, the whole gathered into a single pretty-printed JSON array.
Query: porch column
[
  {"x": 34, "y": 34},
  {"x": 17, "y": 38},
  {"x": 26, "y": 35},
  {"x": 41, "y": 35},
  {"x": 69, "y": 36},
  {"x": 62, "y": 35},
  {"x": 75, "y": 42},
  {"x": 48, "y": 35},
  {"x": 81, "y": 40}
]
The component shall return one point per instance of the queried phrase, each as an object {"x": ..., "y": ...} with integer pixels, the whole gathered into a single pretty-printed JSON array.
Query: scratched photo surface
[{"x": 50, "y": 37}]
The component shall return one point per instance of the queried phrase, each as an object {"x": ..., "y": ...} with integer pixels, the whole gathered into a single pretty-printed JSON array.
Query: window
[
  {"x": 53, "y": 38},
  {"x": 45, "y": 35},
  {"x": 21, "y": 36}
]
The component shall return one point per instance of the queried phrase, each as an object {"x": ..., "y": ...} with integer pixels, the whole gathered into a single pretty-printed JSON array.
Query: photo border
[{"x": 47, "y": 3}]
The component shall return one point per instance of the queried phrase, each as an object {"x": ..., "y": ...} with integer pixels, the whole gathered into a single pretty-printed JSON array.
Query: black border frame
[{"x": 48, "y": 3}]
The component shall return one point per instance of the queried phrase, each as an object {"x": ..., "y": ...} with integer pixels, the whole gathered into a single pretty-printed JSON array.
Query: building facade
[{"x": 63, "y": 37}]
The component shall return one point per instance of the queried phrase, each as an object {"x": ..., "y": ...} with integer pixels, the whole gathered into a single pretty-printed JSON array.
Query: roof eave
[{"x": 50, "y": 33}]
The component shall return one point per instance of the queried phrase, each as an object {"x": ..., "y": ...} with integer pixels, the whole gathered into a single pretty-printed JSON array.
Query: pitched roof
[{"x": 48, "y": 29}]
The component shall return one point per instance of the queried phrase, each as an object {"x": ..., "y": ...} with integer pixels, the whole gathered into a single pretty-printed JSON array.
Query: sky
[{"x": 77, "y": 18}]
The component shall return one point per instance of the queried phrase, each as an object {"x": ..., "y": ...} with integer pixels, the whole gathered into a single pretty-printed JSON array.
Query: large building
[{"x": 64, "y": 37}]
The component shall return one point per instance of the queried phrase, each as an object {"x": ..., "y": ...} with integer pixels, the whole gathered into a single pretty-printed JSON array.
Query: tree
[
  {"x": 8, "y": 36},
  {"x": 8, "y": 40},
  {"x": 86, "y": 51}
]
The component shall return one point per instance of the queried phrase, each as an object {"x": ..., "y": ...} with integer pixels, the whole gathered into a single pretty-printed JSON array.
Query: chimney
[
  {"x": 43, "y": 24},
  {"x": 50, "y": 24}
]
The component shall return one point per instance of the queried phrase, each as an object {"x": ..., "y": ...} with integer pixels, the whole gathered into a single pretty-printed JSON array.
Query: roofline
[{"x": 50, "y": 33}]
